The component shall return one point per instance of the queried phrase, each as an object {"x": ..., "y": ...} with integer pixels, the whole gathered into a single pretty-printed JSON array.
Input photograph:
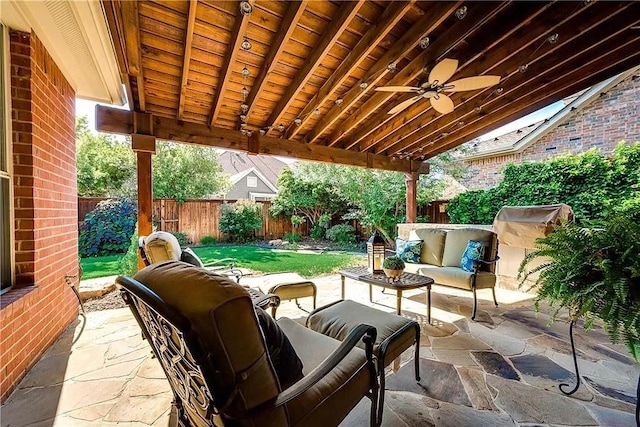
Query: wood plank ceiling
[{"x": 310, "y": 73}]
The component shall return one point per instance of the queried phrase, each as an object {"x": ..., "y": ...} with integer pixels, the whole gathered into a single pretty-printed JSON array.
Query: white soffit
[{"x": 75, "y": 34}]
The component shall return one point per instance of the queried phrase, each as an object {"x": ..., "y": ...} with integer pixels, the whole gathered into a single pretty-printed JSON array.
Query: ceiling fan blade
[
  {"x": 442, "y": 104},
  {"x": 473, "y": 83},
  {"x": 404, "y": 104},
  {"x": 397, "y": 89},
  {"x": 443, "y": 71}
]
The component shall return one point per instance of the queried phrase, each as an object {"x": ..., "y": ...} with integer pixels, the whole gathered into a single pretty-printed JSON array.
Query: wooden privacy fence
[{"x": 199, "y": 218}]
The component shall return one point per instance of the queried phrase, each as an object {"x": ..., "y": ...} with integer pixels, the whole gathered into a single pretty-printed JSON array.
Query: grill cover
[{"x": 520, "y": 226}]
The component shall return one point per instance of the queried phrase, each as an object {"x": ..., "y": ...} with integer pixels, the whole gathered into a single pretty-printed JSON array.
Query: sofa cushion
[
  {"x": 456, "y": 243},
  {"x": 433, "y": 246},
  {"x": 409, "y": 250},
  {"x": 473, "y": 252},
  {"x": 190, "y": 257},
  {"x": 458, "y": 278}
]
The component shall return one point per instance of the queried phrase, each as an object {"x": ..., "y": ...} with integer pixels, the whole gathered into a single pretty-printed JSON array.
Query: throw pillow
[
  {"x": 190, "y": 257},
  {"x": 409, "y": 250},
  {"x": 284, "y": 359},
  {"x": 473, "y": 252}
]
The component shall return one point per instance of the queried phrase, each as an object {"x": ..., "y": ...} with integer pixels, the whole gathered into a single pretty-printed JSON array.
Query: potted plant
[
  {"x": 393, "y": 267},
  {"x": 595, "y": 274}
]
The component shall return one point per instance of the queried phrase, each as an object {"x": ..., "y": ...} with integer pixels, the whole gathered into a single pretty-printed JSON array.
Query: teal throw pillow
[
  {"x": 473, "y": 252},
  {"x": 409, "y": 250}
]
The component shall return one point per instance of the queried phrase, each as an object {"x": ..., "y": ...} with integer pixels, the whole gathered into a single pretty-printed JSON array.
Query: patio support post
[
  {"x": 145, "y": 147},
  {"x": 411, "y": 181}
]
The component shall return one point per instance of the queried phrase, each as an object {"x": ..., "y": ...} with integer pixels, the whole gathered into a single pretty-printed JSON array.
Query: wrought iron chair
[
  {"x": 162, "y": 246},
  {"x": 204, "y": 331}
]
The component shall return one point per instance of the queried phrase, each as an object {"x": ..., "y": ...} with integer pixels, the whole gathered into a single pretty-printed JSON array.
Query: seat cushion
[
  {"x": 162, "y": 246},
  {"x": 457, "y": 240},
  {"x": 331, "y": 399},
  {"x": 284, "y": 359},
  {"x": 190, "y": 257},
  {"x": 458, "y": 278},
  {"x": 433, "y": 246}
]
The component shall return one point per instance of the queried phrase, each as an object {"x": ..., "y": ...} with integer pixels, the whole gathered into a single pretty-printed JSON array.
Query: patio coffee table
[{"x": 407, "y": 281}]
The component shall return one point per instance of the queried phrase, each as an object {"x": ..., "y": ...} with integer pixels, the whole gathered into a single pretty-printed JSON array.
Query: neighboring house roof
[
  {"x": 520, "y": 139},
  {"x": 269, "y": 167},
  {"x": 237, "y": 177}
]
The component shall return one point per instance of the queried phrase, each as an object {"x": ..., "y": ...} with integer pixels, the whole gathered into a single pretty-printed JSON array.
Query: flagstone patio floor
[{"x": 501, "y": 370}]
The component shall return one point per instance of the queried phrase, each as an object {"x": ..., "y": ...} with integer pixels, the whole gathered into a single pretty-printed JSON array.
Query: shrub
[
  {"x": 318, "y": 232},
  {"x": 297, "y": 220},
  {"x": 128, "y": 264},
  {"x": 240, "y": 220},
  {"x": 183, "y": 239},
  {"x": 208, "y": 240},
  {"x": 341, "y": 233},
  {"x": 106, "y": 230},
  {"x": 292, "y": 237}
]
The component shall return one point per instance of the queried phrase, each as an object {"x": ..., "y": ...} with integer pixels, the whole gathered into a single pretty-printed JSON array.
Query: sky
[{"x": 87, "y": 108}]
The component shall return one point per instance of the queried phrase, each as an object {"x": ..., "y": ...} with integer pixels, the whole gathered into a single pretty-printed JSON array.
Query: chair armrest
[
  {"x": 476, "y": 263},
  {"x": 222, "y": 263},
  {"x": 365, "y": 332}
]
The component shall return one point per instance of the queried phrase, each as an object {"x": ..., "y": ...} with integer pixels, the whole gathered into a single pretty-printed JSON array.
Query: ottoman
[
  {"x": 395, "y": 333},
  {"x": 289, "y": 286}
]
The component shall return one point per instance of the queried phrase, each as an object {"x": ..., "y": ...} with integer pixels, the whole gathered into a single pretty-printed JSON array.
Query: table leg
[
  {"x": 429, "y": 304},
  {"x": 342, "y": 277},
  {"x": 398, "y": 303},
  {"x": 370, "y": 293}
]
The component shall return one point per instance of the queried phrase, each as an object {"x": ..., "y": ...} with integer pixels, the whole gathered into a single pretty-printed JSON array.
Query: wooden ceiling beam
[
  {"x": 117, "y": 35},
  {"x": 287, "y": 26},
  {"x": 346, "y": 12},
  {"x": 237, "y": 34},
  {"x": 547, "y": 64},
  {"x": 191, "y": 21},
  {"x": 369, "y": 41},
  {"x": 477, "y": 15},
  {"x": 431, "y": 20},
  {"x": 531, "y": 102},
  {"x": 113, "y": 120},
  {"x": 131, "y": 26},
  {"x": 495, "y": 36}
]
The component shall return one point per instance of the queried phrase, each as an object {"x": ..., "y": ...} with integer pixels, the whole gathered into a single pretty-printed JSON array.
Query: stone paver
[{"x": 105, "y": 376}]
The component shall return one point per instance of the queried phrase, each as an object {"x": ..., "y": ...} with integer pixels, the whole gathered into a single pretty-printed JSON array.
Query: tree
[
  {"x": 106, "y": 166},
  {"x": 184, "y": 172}
]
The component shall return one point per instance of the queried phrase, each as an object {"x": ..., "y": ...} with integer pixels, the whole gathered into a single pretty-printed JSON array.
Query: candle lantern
[{"x": 375, "y": 254}]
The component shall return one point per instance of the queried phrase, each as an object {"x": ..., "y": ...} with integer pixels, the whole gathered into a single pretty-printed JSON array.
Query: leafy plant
[
  {"x": 341, "y": 233},
  {"x": 595, "y": 273},
  {"x": 208, "y": 240},
  {"x": 292, "y": 237},
  {"x": 393, "y": 263},
  {"x": 297, "y": 220},
  {"x": 240, "y": 219},
  {"x": 106, "y": 230},
  {"x": 318, "y": 232},
  {"x": 128, "y": 264},
  {"x": 183, "y": 239}
]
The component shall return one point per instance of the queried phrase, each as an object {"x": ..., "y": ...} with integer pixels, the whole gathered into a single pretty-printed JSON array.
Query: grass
[
  {"x": 258, "y": 259},
  {"x": 100, "y": 266}
]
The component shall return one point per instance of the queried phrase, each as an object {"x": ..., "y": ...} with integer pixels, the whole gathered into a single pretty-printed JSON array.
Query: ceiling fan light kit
[{"x": 435, "y": 86}]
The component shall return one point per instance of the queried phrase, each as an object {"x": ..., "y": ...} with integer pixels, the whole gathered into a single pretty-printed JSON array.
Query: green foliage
[
  {"x": 318, "y": 232},
  {"x": 240, "y": 219},
  {"x": 292, "y": 237},
  {"x": 128, "y": 264},
  {"x": 590, "y": 183},
  {"x": 106, "y": 166},
  {"x": 341, "y": 233},
  {"x": 183, "y": 239},
  {"x": 208, "y": 240},
  {"x": 393, "y": 263},
  {"x": 106, "y": 230},
  {"x": 595, "y": 272},
  {"x": 297, "y": 220},
  {"x": 184, "y": 172}
]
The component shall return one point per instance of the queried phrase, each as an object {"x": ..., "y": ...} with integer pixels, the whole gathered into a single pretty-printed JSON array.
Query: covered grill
[{"x": 520, "y": 226}]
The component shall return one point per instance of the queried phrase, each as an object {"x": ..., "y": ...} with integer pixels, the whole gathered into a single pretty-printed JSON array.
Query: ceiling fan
[{"x": 435, "y": 86}]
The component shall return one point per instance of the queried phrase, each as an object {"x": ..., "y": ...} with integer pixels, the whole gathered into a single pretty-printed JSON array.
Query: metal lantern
[{"x": 375, "y": 254}]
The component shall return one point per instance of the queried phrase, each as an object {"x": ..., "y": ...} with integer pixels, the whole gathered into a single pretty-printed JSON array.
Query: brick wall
[
  {"x": 41, "y": 305},
  {"x": 613, "y": 117}
]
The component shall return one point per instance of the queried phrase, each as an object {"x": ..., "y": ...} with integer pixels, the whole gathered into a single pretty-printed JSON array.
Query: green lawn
[
  {"x": 257, "y": 259},
  {"x": 100, "y": 266}
]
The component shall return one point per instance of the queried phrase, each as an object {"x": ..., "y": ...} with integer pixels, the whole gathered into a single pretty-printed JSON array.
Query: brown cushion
[
  {"x": 433, "y": 247},
  {"x": 456, "y": 243}
]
